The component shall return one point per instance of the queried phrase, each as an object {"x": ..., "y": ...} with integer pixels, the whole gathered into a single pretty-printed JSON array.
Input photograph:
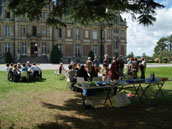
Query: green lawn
[{"x": 49, "y": 104}]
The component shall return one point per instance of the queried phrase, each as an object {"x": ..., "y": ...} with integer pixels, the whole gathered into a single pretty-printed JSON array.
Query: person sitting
[
  {"x": 82, "y": 73},
  {"x": 18, "y": 65},
  {"x": 35, "y": 71},
  {"x": 24, "y": 68},
  {"x": 40, "y": 72},
  {"x": 93, "y": 73},
  {"x": 71, "y": 75},
  {"x": 29, "y": 72},
  {"x": 7, "y": 67},
  {"x": 16, "y": 74},
  {"x": 78, "y": 66},
  {"x": 10, "y": 72},
  {"x": 105, "y": 71}
]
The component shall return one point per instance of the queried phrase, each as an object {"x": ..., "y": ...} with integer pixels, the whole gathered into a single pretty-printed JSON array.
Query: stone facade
[{"x": 35, "y": 39}]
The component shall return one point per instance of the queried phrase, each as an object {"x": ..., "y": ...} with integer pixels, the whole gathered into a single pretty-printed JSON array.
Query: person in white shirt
[{"x": 143, "y": 68}]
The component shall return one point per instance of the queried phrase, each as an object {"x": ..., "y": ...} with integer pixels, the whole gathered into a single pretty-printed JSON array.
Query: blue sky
[{"x": 141, "y": 39}]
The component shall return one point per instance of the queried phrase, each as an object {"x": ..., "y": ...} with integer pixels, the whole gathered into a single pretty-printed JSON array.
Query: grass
[{"x": 48, "y": 104}]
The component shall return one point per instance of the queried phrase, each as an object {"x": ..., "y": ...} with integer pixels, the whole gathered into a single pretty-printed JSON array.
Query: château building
[{"x": 34, "y": 40}]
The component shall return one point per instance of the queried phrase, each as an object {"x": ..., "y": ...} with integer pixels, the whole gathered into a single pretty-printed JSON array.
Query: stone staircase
[{"x": 41, "y": 59}]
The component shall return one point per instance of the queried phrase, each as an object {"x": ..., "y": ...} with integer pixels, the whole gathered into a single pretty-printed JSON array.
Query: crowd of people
[
  {"x": 25, "y": 72},
  {"x": 112, "y": 70}
]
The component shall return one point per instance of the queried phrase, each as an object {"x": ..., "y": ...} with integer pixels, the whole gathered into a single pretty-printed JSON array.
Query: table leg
[
  {"x": 108, "y": 97},
  {"x": 136, "y": 92},
  {"x": 83, "y": 100},
  {"x": 143, "y": 93},
  {"x": 160, "y": 89},
  {"x": 121, "y": 88}
]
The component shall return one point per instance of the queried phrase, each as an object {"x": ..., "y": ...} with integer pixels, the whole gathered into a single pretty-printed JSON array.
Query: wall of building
[{"x": 74, "y": 41}]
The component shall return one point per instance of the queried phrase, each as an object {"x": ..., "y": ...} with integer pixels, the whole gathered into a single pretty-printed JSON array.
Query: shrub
[
  {"x": 165, "y": 59},
  {"x": 151, "y": 61},
  {"x": 55, "y": 55},
  {"x": 91, "y": 54},
  {"x": 8, "y": 58}
]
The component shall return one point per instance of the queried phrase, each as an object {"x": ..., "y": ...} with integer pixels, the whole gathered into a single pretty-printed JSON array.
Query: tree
[
  {"x": 163, "y": 48},
  {"x": 8, "y": 57},
  {"x": 91, "y": 54},
  {"x": 55, "y": 55},
  {"x": 86, "y": 11},
  {"x": 130, "y": 55}
]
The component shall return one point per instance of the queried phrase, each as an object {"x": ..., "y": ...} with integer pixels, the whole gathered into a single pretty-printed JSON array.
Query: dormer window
[{"x": 7, "y": 15}]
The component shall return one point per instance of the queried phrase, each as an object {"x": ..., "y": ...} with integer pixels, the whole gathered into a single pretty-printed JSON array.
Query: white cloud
[{"x": 143, "y": 39}]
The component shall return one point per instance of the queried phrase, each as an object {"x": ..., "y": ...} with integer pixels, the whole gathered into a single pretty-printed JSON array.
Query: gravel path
[{"x": 55, "y": 66}]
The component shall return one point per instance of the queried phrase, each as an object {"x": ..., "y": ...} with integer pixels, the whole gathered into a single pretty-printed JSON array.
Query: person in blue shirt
[
  {"x": 96, "y": 61},
  {"x": 24, "y": 68}
]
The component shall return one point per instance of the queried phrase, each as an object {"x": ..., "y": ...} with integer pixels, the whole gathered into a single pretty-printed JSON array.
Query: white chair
[
  {"x": 80, "y": 79},
  {"x": 24, "y": 74},
  {"x": 56, "y": 72},
  {"x": 97, "y": 78}
]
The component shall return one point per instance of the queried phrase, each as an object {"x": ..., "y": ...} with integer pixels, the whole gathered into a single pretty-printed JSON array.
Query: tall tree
[
  {"x": 87, "y": 11},
  {"x": 130, "y": 55},
  {"x": 163, "y": 48}
]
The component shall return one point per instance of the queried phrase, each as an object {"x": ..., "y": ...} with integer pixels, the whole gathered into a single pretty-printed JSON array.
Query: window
[
  {"x": 95, "y": 35},
  {"x": 23, "y": 48},
  {"x": 43, "y": 15},
  {"x": 77, "y": 50},
  {"x": 7, "y": 47},
  {"x": 116, "y": 30},
  {"x": 77, "y": 34},
  {"x": 7, "y": 31},
  {"x": 23, "y": 30},
  {"x": 34, "y": 30},
  {"x": 95, "y": 50},
  {"x": 109, "y": 33},
  {"x": 68, "y": 32},
  {"x": 0, "y": 7},
  {"x": 86, "y": 34},
  {"x": 44, "y": 31},
  {"x": 0, "y": 30},
  {"x": 123, "y": 34},
  {"x": 7, "y": 15},
  {"x": 44, "y": 48},
  {"x": 116, "y": 42},
  {"x": 60, "y": 33}
]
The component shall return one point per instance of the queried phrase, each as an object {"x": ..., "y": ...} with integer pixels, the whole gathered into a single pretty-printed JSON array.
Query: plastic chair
[
  {"x": 80, "y": 79},
  {"x": 97, "y": 78}
]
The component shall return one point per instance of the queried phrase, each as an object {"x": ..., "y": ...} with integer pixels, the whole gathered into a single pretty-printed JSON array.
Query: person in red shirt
[{"x": 61, "y": 68}]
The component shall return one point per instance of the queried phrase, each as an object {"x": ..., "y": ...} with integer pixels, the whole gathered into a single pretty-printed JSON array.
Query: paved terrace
[{"x": 55, "y": 66}]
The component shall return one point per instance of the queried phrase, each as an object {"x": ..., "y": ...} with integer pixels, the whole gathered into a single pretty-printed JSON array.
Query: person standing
[
  {"x": 89, "y": 64},
  {"x": 106, "y": 61},
  {"x": 135, "y": 67},
  {"x": 143, "y": 68},
  {"x": 114, "y": 70},
  {"x": 96, "y": 61},
  {"x": 121, "y": 65}
]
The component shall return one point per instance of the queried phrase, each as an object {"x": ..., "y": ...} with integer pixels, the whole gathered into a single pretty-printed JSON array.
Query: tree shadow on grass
[{"x": 153, "y": 114}]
